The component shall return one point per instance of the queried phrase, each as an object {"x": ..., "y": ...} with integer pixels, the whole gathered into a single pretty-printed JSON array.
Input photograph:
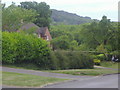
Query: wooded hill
[{"x": 68, "y": 18}]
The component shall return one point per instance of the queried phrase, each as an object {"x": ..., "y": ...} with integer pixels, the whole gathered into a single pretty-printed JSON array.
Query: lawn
[
  {"x": 89, "y": 72},
  {"x": 26, "y": 80},
  {"x": 28, "y": 66},
  {"x": 110, "y": 64}
]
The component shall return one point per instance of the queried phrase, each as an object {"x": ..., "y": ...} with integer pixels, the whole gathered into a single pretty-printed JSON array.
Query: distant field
[{"x": 26, "y": 80}]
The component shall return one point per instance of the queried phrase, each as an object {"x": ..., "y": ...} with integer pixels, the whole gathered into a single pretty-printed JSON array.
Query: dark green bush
[
  {"x": 23, "y": 48},
  {"x": 70, "y": 60}
]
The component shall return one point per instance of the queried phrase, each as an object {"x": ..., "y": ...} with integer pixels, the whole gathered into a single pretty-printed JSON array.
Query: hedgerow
[
  {"x": 70, "y": 60},
  {"x": 20, "y": 47}
]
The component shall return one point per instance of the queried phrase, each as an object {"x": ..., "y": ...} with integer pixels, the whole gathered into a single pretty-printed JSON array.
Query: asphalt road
[{"x": 108, "y": 81}]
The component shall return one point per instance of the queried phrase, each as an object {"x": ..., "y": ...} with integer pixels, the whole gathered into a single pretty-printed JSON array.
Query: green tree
[
  {"x": 74, "y": 45},
  {"x": 43, "y": 10},
  {"x": 99, "y": 35},
  {"x": 89, "y": 35},
  {"x": 14, "y": 16},
  {"x": 61, "y": 42}
]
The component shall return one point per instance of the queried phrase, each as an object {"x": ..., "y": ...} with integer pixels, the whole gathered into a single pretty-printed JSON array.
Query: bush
[
  {"x": 96, "y": 61},
  {"x": 70, "y": 60},
  {"x": 101, "y": 57},
  {"x": 20, "y": 48},
  {"x": 23, "y": 48}
]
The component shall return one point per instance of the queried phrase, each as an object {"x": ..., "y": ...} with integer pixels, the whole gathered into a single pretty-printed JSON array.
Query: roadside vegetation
[
  {"x": 88, "y": 72},
  {"x": 110, "y": 65},
  {"x": 26, "y": 80}
]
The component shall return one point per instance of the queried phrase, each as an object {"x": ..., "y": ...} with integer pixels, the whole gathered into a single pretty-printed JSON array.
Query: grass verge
[
  {"x": 110, "y": 64},
  {"x": 89, "y": 72},
  {"x": 26, "y": 80},
  {"x": 28, "y": 66}
]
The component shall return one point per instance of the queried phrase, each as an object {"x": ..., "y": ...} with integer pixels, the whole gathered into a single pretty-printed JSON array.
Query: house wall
[{"x": 47, "y": 33}]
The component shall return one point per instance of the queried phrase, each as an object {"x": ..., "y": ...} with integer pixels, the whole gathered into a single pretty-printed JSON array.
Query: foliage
[
  {"x": 70, "y": 60},
  {"x": 96, "y": 61},
  {"x": 43, "y": 11},
  {"x": 19, "y": 47},
  {"x": 61, "y": 42},
  {"x": 101, "y": 57},
  {"x": 14, "y": 16},
  {"x": 66, "y": 35},
  {"x": 23, "y": 48},
  {"x": 100, "y": 35}
]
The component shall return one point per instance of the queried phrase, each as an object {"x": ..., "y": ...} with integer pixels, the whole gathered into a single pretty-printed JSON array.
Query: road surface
[{"x": 108, "y": 81}]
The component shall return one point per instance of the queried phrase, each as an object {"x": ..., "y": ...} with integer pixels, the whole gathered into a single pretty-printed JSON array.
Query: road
[{"x": 107, "y": 81}]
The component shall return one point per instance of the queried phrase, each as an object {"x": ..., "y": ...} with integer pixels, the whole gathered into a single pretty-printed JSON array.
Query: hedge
[
  {"x": 20, "y": 47},
  {"x": 70, "y": 60}
]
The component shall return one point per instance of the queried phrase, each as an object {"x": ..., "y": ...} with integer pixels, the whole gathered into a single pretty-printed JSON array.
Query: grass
[
  {"x": 110, "y": 64},
  {"x": 28, "y": 66},
  {"x": 26, "y": 80},
  {"x": 89, "y": 72}
]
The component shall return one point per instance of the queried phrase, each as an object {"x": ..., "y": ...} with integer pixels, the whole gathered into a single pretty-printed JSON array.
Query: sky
[{"x": 91, "y": 8}]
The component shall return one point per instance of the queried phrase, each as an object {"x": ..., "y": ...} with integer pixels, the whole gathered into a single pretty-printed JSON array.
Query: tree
[
  {"x": 99, "y": 35},
  {"x": 61, "y": 42},
  {"x": 74, "y": 45},
  {"x": 89, "y": 35},
  {"x": 43, "y": 10},
  {"x": 14, "y": 16}
]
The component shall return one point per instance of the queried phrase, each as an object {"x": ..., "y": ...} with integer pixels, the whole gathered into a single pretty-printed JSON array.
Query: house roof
[
  {"x": 41, "y": 30},
  {"x": 29, "y": 25}
]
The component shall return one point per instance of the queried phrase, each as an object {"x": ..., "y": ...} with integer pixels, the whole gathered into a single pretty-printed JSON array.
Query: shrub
[
  {"x": 101, "y": 57},
  {"x": 54, "y": 62},
  {"x": 63, "y": 60},
  {"x": 23, "y": 48},
  {"x": 70, "y": 60},
  {"x": 96, "y": 61},
  {"x": 20, "y": 48},
  {"x": 8, "y": 48}
]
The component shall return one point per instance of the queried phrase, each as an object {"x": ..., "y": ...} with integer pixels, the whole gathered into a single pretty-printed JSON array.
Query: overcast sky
[{"x": 92, "y": 8}]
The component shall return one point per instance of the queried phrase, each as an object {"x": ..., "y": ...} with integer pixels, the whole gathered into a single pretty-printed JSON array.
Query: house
[{"x": 42, "y": 32}]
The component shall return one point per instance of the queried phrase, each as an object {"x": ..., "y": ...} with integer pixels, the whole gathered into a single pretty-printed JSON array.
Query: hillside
[{"x": 68, "y": 18}]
